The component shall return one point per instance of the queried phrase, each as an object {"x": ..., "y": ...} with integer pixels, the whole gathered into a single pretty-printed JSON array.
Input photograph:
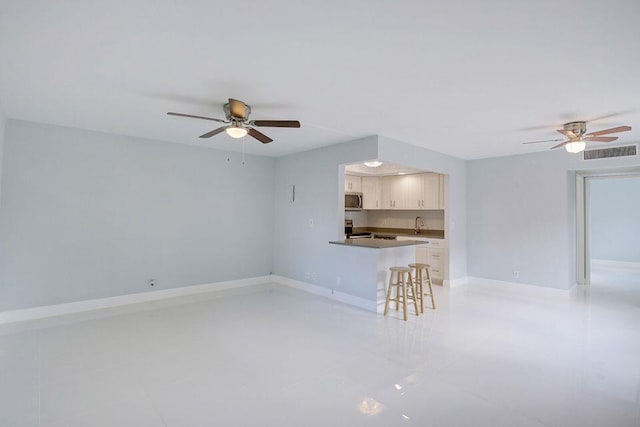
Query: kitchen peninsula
[{"x": 376, "y": 256}]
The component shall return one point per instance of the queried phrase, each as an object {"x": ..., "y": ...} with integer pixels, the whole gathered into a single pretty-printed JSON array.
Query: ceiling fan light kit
[
  {"x": 577, "y": 136},
  {"x": 238, "y": 123},
  {"x": 575, "y": 146},
  {"x": 236, "y": 131}
]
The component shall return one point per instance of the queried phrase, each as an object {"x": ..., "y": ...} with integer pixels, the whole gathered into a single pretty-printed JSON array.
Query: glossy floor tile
[{"x": 273, "y": 356}]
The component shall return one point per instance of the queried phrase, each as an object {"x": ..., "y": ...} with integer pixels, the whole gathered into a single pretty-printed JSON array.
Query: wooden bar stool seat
[
  {"x": 404, "y": 285},
  {"x": 422, "y": 276}
]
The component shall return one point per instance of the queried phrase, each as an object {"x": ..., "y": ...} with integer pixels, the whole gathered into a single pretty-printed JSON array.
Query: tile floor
[{"x": 273, "y": 356}]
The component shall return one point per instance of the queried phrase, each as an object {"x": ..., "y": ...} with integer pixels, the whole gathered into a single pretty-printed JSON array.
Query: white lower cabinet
[{"x": 433, "y": 252}]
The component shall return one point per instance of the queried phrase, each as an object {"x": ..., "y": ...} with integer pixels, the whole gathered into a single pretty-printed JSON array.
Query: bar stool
[
  {"x": 420, "y": 279},
  {"x": 402, "y": 286}
]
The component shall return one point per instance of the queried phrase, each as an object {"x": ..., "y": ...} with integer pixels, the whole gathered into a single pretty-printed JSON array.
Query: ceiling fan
[
  {"x": 239, "y": 125},
  {"x": 577, "y": 136}
]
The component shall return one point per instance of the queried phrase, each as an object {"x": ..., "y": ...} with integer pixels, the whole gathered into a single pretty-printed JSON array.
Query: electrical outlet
[
  {"x": 152, "y": 282},
  {"x": 516, "y": 274},
  {"x": 310, "y": 222}
]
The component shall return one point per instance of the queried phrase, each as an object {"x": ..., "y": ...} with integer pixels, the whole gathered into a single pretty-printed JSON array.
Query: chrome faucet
[{"x": 419, "y": 222}]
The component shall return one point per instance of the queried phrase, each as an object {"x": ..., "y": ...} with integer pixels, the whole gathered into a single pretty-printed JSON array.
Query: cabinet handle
[{"x": 376, "y": 203}]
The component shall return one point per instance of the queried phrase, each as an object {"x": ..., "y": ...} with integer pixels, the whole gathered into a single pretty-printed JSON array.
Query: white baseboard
[
  {"x": 100, "y": 303},
  {"x": 326, "y": 292},
  {"x": 621, "y": 265},
  {"x": 455, "y": 282},
  {"x": 122, "y": 300},
  {"x": 522, "y": 287}
]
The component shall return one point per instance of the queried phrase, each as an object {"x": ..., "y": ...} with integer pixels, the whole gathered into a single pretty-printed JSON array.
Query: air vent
[{"x": 605, "y": 153}]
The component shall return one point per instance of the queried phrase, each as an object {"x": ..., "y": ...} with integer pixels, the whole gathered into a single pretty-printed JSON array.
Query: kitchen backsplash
[
  {"x": 433, "y": 219},
  {"x": 359, "y": 218}
]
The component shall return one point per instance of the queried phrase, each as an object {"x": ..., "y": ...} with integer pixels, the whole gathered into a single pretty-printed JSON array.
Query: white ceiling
[{"x": 461, "y": 77}]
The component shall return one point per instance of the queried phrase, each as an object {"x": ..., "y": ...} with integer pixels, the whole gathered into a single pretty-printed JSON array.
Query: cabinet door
[
  {"x": 435, "y": 258},
  {"x": 394, "y": 192},
  {"x": 347, "y": 183},
  {"x": 414, "y": 192},
  {"x": 399, "y": 192},
  {"x": 441, "y": 201},
  {"x": 356, "y": 184},
  {"x": 431, "y": 192},
  {"x": 371, "y": 192},
  {"x": 352, "y": 184},
  {"x": 386, "y": 186}
]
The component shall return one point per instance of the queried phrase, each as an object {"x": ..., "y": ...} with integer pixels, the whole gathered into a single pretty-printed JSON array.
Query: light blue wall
[
  {"x": 299, "y": 248},
  {"x": 522, "y": 216},
  {"x": 615, "y": 224},
  {"x": 87, "y": 215},
  {"x": 3, "y": 122}
]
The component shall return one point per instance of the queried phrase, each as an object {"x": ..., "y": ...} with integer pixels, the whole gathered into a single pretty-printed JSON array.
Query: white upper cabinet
[
  {"x": 352, "y": 184},
  {"x": 423, "y": 191},
  {"x": 431, "y": 191},
  {"x": 415, "y": 191},
  {"x": 394, "y": 192},
  {"x": 409, "y": 192},
  {"x": 371, "y": 192}
]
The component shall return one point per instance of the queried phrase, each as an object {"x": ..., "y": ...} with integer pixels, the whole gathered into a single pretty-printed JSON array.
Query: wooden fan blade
[
  {"x": 259, "y": 136},
  {"x": 170, "y": 113},
  {"x": 562, "y": 144},
  {"x": 546, "y": 140},
  {"x": 600, "y": 138},
  {"x": 237, "y": 108},
  {"x": 567, "y": 133},
  {"x": 277, "y": 123},
  {"x": 213, "y": 132},
  {"x": 608, "y": 131}
]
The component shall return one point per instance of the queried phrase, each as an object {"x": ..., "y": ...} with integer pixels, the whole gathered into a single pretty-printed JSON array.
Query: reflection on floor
[{"x": 273, "y": 356}]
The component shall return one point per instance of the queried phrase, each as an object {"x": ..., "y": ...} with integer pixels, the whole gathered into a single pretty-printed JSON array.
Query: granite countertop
[
  {"x": 433, "y": 234},
  {"x": 377, "y": 243}
]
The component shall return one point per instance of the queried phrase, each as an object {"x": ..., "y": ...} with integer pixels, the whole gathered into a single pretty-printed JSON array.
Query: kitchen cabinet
[
  {"x": 371, "y": 192},
  {"x": 431, "y": 191},
  {"x": 352, "y": 184},
  {"x": 394, "y": 192},
  {"x": 423, "y": 191},
  {"x": 415, "y": 191},
  {"x": 408, "y": 192},
  {"x": 433, "y": 252}
]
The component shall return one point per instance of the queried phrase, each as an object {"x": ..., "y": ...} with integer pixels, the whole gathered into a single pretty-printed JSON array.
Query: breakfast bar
[{"x": 376, "y": 255}]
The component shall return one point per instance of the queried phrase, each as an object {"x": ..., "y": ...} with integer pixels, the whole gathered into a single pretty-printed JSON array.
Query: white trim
[
  {"x": 583, "y": 232},
  {"x": 527, "y": 288},
  {"x": 449, "y": 284},
  {"x": 610, "y": 263},
  {"x": 120, "y": 300},
  {"x": 360, "y": 302}
]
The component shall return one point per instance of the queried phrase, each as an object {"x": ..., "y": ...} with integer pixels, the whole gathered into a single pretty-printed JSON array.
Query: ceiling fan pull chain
[{"x": 243, "y": 139}]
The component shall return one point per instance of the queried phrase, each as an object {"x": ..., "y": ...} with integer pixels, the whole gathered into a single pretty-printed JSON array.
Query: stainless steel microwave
[{"x": 352, "y": 201}]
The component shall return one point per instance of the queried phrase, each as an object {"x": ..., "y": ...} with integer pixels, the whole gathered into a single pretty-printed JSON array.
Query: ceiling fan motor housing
[
  {"x": 227, "y": 112},
  {"x": 577, "y": 128}
]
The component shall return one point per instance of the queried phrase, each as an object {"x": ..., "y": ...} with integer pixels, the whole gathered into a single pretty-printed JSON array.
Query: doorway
[{"x": 608, "y": 226}]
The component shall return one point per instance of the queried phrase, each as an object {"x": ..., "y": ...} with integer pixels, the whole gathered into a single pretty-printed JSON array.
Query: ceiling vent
[{"x": 605, "y": 153}]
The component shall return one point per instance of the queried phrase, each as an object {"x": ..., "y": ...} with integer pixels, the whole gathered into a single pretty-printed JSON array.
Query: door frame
[{"x": 583, "y": 218}]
